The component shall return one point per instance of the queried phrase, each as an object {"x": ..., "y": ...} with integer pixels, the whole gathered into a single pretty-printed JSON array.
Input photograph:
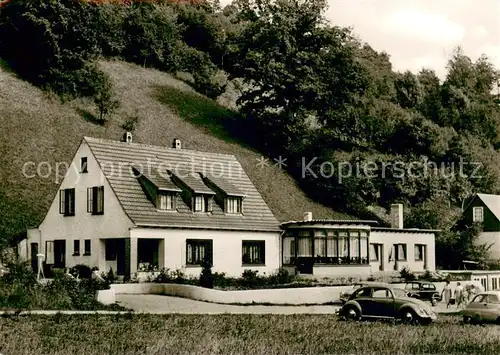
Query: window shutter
[
  {"x": 61, "y": 201},
  {"x": 101, "y": 199},
  {"x": 89, "y": 200}
]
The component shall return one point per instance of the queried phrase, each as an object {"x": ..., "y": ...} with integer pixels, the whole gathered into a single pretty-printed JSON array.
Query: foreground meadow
[{"x": 237, "y": 334}]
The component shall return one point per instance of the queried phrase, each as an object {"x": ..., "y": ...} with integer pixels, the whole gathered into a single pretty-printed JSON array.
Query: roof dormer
[
  {"x": 159, "y": 188},
  {"x": 195, "y": 193},
  {"x": 228, "y": 196}
]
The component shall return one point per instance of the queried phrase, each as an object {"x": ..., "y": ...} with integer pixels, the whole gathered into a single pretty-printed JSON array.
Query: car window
[
  {"x": 416, "y": 287},
  {"x": 382, "y": 293},
  {"x": 364, "y": 292},
  {"x": 399, "y": 292},
  {"x": 478, "y": 298},
  {"x": 492, "y": 299},
  {"x": 428, "y": 287}
]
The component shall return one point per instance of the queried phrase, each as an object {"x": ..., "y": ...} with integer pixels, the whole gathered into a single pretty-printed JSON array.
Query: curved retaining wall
[{"x": 282, "y": 296}]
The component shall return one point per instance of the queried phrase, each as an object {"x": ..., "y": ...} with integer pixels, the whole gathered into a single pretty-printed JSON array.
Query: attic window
[
  {"x": 202, "y": 203},
  {"x": 233, "y": 205},
  {"x": 166, "y": 201},
  {"x": 83, "y": 165},
  {"x": 478, "y": 214}
]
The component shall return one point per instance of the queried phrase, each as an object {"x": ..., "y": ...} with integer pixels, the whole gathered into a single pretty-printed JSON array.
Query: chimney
[
  {"x": 127, "y": 137},
  {"x": 397, "y": 216},
  {"x": 308, "y": 216},
  {"x": 177, "y": 143}
]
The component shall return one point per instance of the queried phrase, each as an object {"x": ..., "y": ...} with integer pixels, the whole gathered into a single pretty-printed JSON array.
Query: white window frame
[
  {"x": 233, "y": 205},
  {"x": 199, "y": 203},
  {"x": 419, "y": 249},
  {"x": 481, "y": 212}
]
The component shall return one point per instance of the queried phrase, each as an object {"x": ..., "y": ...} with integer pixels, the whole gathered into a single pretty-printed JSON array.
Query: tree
[
  {"x": 294, "y": 66},
  {"x": 104, "y": 97}
]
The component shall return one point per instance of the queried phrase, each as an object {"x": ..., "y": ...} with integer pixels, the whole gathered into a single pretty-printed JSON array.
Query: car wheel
[
  {"x": 409, "y": 316},
  {"x": 467, "y": 320},
  {"x": 476, "y": 319},
  {"x": 497, "y": 321},
  {"x": 351, "y": 313}
]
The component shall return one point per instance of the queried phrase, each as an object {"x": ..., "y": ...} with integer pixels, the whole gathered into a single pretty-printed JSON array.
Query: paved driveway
[{"x": 165, "y": 304}]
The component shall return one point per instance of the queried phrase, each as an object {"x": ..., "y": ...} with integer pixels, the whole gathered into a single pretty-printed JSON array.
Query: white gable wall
[
  {"x": 227, "y": 249},
  {"x": 493, "y": 239},
  {"x": 83, "y": 225}
]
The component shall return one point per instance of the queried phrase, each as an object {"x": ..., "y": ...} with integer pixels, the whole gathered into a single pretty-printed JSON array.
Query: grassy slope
[
  {"x": 239, "y": 334},
  {"x": 36, "y": 127}
]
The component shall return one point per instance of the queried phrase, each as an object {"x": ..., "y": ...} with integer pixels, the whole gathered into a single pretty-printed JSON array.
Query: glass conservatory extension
[{"x": 306, "y": 248}]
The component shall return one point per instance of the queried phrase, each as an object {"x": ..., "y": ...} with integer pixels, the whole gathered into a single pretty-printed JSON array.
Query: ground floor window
[
  {"x": 147, "y": 254},
  {"x": 419, "y": 252},
  {"x": 326, "y": 247},
  {"x": 398, "y": 253},
  {"x": 253, "y": 252},
  {"x": 198, "y": 251},
  {"x": 375, "y": 252}
]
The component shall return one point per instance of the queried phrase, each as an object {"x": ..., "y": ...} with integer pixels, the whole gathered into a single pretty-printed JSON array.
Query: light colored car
[{"x": 484, "y": 307}]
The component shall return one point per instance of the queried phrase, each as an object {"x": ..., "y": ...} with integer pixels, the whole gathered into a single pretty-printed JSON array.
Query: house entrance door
[
  {"x": 34, "y": 257},
  {"x": 59, "y": 254},
  {"x": 120, "y": 257}
]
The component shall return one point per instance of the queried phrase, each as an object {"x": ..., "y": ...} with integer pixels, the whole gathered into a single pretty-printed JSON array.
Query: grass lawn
[{"x": 238, "y": 334}]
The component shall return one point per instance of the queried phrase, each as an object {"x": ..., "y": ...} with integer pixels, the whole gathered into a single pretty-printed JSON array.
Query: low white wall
[{"x": 292, "y": 296}]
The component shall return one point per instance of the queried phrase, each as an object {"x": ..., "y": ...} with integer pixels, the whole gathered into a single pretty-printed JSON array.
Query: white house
[
  {"x": 340, "y": 248},
  {"x": 134, "y": 207}
]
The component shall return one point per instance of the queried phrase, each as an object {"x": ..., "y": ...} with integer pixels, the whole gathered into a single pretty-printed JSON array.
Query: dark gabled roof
[
  {"x": 160, "y": 179},
  {"x": 116, "y": 158},
  {"x": 193, "y": 181},
  {"x": 224, "y": 185}
]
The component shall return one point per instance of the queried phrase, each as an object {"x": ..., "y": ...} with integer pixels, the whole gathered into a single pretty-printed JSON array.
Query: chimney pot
[
  {"x": 397, "y": 216},
  {"x": 177, "y": 143},
  {"x": 127, "y": 137},
  {"x": 308, "y": 216}
]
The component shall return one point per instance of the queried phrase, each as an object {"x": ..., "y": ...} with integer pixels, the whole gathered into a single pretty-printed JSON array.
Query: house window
[
  {"x": 95, "y": 200},
  {"x": 478, "y": 214},
  {"x": 233, "y": 205},
  {"x": 199, "y": 204},
  {"x": 198, "y": 251},
  {"x": 49, "y": 252},
  {"x": 208, "y": 203},
  {"x": 67, "y": 202},
  {"x": 288, "y": 250},
  {"x": 253, "y": 252},
  {"x": 83, "y": 165},
  {"x": 374, "y": 252},
  {"x": 398, "y": 252},
  {"x": 167, "y": 201},
  {"x": 87, "y": 247},
  {"x": 419, "y": 252},
  {"x": 76, "y": 247},
  {"x": 326, "y": 247},
  {"x": 148, "y": 254}
]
